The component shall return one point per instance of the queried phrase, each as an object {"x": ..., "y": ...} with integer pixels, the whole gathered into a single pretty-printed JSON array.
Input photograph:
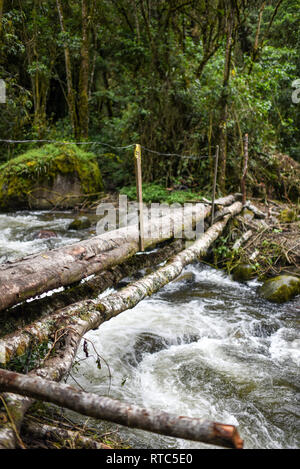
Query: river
[{"x": 204, "y": 346}]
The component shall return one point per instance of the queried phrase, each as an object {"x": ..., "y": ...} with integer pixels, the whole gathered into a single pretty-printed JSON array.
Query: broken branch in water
[{"x": 131, "y": 416}]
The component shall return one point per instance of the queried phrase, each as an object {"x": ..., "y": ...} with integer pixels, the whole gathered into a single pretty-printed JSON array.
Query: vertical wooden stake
[
  {"x": 214, "y": 185},
  {"x": 139, "y": 192},
  {"x": 245, "y": 168}
]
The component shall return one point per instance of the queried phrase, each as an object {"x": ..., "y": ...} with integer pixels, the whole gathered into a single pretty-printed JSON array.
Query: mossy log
[
  {"x": 46, "y": 271},
  {"x": 112, "y": 410},
  {"x": 42, "y": 431},
  {"x": 82, "y": 317}
]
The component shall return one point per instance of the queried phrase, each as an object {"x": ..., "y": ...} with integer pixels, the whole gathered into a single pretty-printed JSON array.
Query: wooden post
[
  {"x": 214, "y": 185},
  {"x": 139, "y": 192},
  {"x": 245, "y": 168}
]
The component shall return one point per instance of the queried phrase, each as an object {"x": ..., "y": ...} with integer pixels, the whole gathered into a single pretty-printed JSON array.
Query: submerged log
[
  {"x": 79, "y": 318},
  {"x": 48, "y": 270},
  {"x": 111, "y": 410}
]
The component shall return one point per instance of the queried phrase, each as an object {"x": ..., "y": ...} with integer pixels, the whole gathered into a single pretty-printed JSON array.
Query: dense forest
[{"x": 176, "y": 76}]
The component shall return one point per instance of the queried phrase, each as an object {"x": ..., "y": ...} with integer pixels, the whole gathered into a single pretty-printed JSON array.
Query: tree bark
[
  {"x": 111, "y": 410},
  {"x": 245, "y": 169},
  {"x": 71, "y": 91},
  {"x": 83, "y": 105},
  {"x": 1, "y": 12},
  {"x": 46, "y": 271},
  {"x": 224, "y": 102}
]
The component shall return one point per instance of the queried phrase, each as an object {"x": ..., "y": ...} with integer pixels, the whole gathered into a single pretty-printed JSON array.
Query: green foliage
[
  {"x": 156, "y": 193},
  {"x": 157, "y": 78},
  {"x": 28, "y": 361}
]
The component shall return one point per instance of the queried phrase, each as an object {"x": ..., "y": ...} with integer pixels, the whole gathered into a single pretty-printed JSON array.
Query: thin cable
[
  {"x": 191, "y": 157},
  {"x": 68, "y": 143}
]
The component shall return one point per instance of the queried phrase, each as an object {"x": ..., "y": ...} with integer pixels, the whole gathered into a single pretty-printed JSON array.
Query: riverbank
[{"x": 268, "y": 241}]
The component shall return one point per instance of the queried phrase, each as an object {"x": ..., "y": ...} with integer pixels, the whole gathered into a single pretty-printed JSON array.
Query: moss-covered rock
[
  {"x": 54, "y": 175},
  {"x": 247, "y": 214},
  {"x": 243, "y": 272},
  {"x": 280, "y": 289},
  {"x": 80, "y": 223}
]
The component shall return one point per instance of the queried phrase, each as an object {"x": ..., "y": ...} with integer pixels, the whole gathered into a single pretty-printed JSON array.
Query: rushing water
[
  {"x": 204, "y": 346},
  {"x": 18, "y": 232}
]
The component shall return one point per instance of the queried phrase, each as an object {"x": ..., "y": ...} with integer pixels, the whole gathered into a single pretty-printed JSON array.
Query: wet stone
[
  {"x": 280, "y": 289},
  {"x": 243, "y": 272},
  {"x": 147, "y": 342},
  {"x": 79, "y": 224}
]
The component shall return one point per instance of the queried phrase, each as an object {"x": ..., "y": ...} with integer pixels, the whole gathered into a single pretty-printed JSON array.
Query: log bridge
[{"x": 63, "y": 319}]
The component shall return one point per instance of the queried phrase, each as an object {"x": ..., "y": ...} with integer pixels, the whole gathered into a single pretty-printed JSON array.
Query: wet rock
[
  {"x": 247, "y": 214},
  {"x": 45, "y": 234},
  {"x": 147, "y": 342},
  {"x": 280, "y": 289},
  {"x": 264, "y": 329},
  {"x": 243, "y": 272},
  {"x": 188, "y": 277},
  {"x": 80, "y": 223}
]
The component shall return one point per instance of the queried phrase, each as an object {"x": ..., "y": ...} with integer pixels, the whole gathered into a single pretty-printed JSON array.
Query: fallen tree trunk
[
  {"x": 78, "y": 319},
  {"x": 258, "y": 213},
  {"x": 46, "y": 271},
  {"x": 27, "y": 312},
  {"x": 111, "y": 410}
]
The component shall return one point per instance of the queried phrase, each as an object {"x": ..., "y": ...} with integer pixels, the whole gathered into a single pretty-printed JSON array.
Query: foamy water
[{"x": 204, "y": 347}]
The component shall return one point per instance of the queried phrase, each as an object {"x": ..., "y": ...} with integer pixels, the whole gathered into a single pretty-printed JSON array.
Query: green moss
[
  {"x": 38, "y": 167},
  {"x": 288, "y": 216},
  {"x": 280, "y": 289},
  {"x": 243, "y": 272},
  {"x": 79, "y": 224},
  {"x": 155, "y": 193}
]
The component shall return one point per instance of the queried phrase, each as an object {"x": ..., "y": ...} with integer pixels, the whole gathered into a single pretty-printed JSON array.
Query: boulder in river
[
  {"x": 80, "y": 223},
  {"x": 51, "y": 176},
  {"x": 148, "y": 342},
  {"x": 281, "y": 288},
  {"x": 45, "y": 234},
  {"x": 243, "y": 272}
]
